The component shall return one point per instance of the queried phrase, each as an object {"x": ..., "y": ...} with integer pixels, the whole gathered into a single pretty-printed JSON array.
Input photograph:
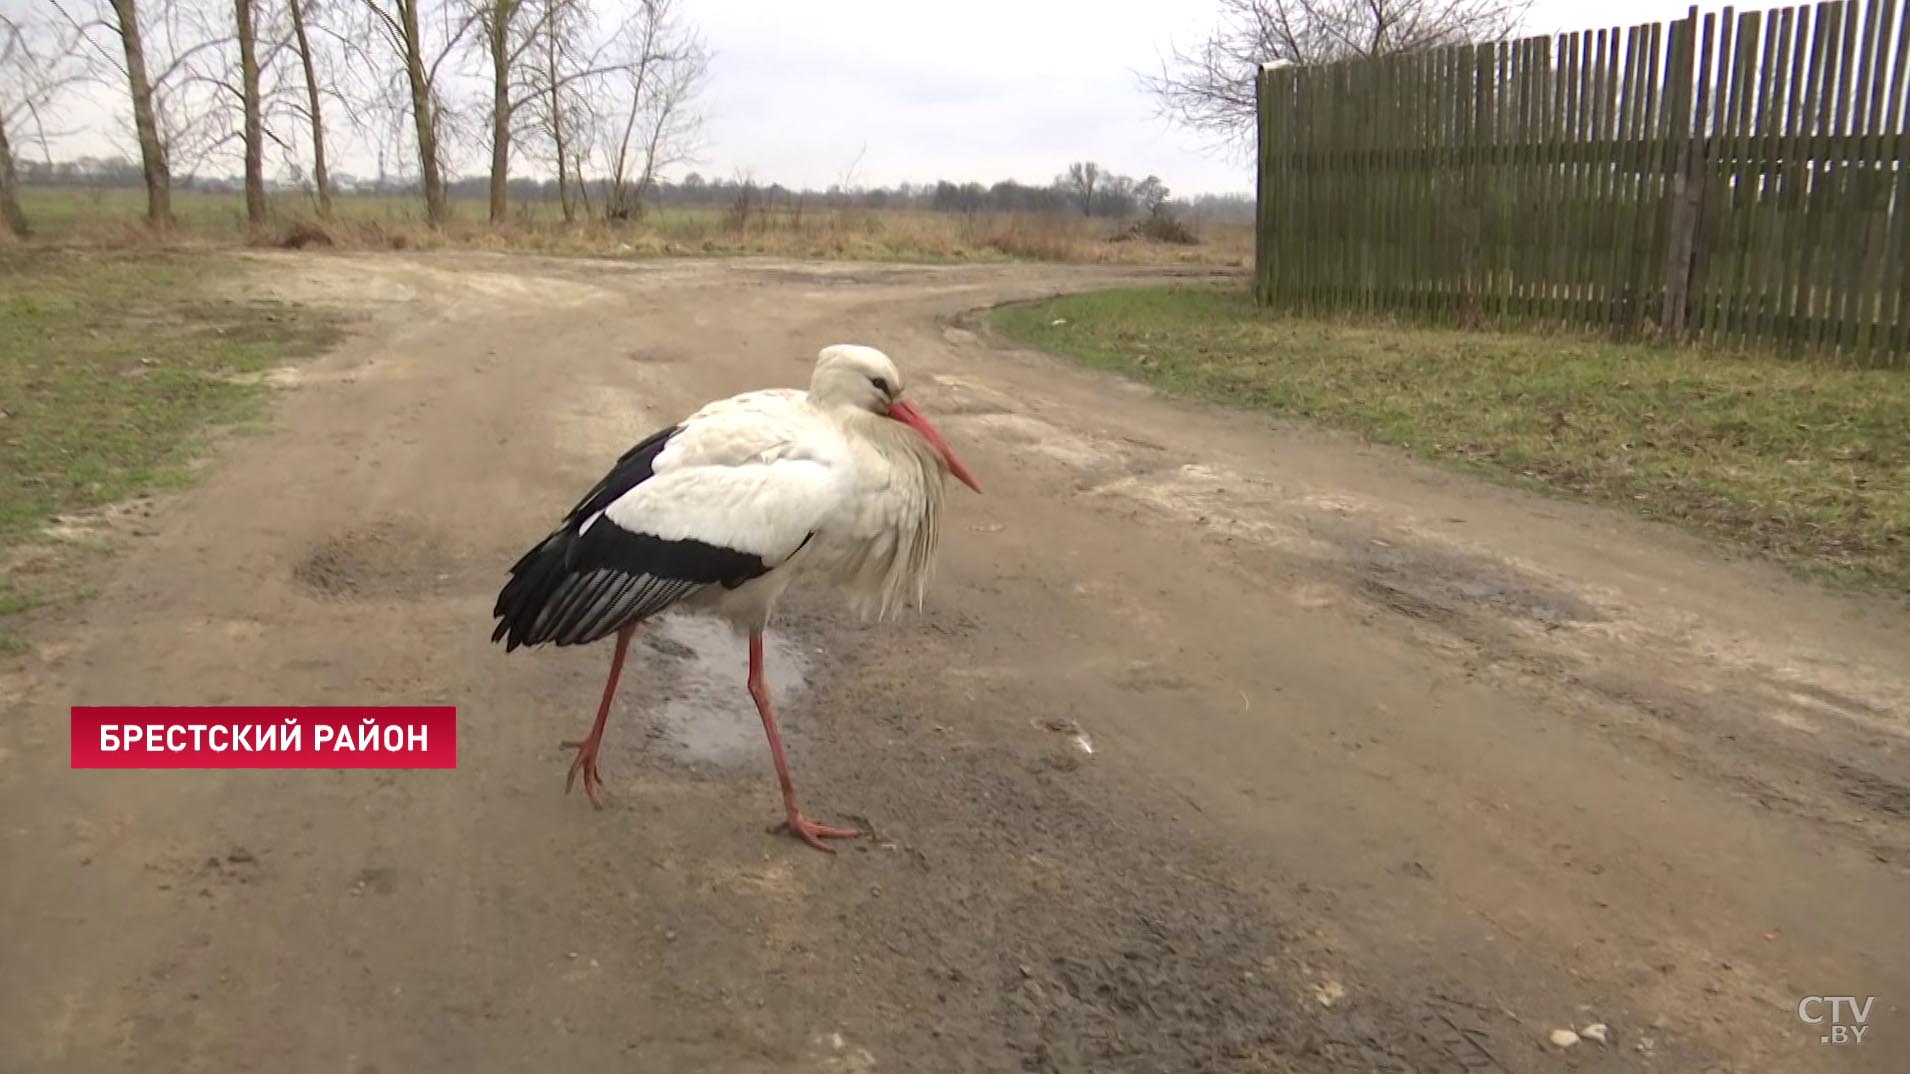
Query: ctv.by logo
[{"x": 1844, "y": 1023}]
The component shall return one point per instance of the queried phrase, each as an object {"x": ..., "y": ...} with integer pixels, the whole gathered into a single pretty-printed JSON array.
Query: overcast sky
[
  {"x": 976, "y": 90},
  {"x": 983, "y": 89}
]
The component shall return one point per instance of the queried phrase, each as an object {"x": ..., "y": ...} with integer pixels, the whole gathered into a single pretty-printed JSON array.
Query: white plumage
[{"x": 723, "y": 511}]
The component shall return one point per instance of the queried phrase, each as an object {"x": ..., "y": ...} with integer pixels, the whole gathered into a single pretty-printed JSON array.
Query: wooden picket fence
[{"x": 1736, "y": 178}]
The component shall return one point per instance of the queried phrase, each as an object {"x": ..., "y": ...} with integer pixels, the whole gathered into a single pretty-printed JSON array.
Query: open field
[
  {"x": 111, "y": 369},
  {"x": 1222, "y": 745},
  {"x": 114, "y": 217},
  {"x": 1807, "y": 462}
]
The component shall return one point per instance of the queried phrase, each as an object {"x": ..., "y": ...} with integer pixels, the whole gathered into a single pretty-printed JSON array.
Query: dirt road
[{"x": 1389, "y": 770}]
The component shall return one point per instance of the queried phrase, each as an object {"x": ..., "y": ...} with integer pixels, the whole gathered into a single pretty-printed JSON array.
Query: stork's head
[{"x": 863, "y": 378}]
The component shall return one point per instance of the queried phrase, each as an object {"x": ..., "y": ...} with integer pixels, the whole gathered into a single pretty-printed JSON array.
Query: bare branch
[
  {"x": 666, "y": 65},
  {"x": 37, "y": 67},
  {"x": 182, "y": 60},
  {"x": 390, "y": 25},
  {"x": 85, "y": 31},
  {"x": 1210, "y": 87}
]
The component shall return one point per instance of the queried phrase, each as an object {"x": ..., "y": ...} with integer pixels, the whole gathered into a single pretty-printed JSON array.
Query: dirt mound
[
  {"x": 304, "y": 234},
  {"x": 384, "y": 559}
]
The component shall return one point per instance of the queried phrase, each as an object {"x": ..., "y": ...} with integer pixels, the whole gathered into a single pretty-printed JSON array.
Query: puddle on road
[{"x": 709, "y": 716}]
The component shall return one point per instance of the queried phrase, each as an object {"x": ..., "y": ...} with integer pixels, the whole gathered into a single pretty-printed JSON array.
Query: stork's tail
[{"x": 534, "y": 581}]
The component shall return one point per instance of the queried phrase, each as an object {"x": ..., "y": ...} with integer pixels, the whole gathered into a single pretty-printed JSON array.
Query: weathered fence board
[{"x": 1738, "y": 178}]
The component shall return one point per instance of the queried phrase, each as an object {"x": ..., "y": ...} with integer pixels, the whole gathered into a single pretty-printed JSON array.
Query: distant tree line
[{"x": 1085, "y": 188}]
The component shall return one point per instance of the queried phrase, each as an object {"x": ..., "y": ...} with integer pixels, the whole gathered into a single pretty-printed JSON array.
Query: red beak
[{"x": 913, "y": 418}]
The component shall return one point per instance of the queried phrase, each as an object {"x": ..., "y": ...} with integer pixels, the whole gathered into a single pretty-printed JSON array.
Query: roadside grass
[
  {"x": 114, "y": 218},
  {"x": 112, "y": 367},
  {"x": 1804, "y": 461}
]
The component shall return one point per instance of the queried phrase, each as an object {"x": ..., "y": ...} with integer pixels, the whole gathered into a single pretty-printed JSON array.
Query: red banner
[{"x": 362, "y": 736}]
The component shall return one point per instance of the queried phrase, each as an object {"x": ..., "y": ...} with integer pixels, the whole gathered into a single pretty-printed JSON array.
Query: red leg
[
  {"x": 586, "y": 759},
  {"x": 807, "y": 830}
]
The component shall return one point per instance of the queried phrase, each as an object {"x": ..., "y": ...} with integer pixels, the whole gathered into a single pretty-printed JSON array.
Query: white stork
[{"x": 720, "y": 512}]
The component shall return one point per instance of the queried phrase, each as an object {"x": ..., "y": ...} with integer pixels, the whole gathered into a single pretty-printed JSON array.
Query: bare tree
[
  {"x": 549, "y": 73},
  {"x": 1078, "y": 182},
  {"x": 1210, "y": 88},
  {"x": 1152, "y": 194},
  {"x": 313, "y": 111},
  {"x": 152, "y": 151},
  {"x": 166, "y": 55},
  {"x": 401, "y": 27},
  {"x": 35, "y": 70},
  {"x": 666, "y": 63},
  {"x": 565, "y": 74},
  {"x": 261, "y": 36},
  {"x": 1114, "y": 195},
  {"x": 505, "y": 43},
  {"x": 254, "y": 124},
  {"x": 11, "y": 214},
  {"x": 670, "y": 126},
  {"x": 558, "y": 37}
]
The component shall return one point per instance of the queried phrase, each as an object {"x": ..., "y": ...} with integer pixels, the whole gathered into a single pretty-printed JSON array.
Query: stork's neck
[
  {"x": 899, "y": 477},
  {"x": 855, "y": 419},
  {"x": 891, "y": 438}
]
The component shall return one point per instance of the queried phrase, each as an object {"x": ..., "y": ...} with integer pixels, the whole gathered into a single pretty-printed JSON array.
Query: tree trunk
[
  {"x": 421, "y": 113},
  {"x": 497, "y": 26},
  {"x": 254, "y": 130},
  {"x": 616, "y": 206},
  {"x": 152, "y": 151},
  {"x": 319, "y": 173},
  {"x": 564, "y": 186},
  {"x": 651, "y": 146},
  {"x": 15, "y": 220},
  {"x": 557, "y": 114}
]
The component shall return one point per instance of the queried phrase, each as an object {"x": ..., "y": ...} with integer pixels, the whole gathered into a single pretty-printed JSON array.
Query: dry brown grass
[{"x": 111, "y": 219}]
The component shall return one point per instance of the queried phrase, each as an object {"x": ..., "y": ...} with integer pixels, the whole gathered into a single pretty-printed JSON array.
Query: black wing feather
[
  {"x": 634, "y": 468},
  {"x": 579, "y": 584}
]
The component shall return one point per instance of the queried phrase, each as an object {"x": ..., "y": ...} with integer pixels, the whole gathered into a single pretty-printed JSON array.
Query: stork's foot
[
  {"x": 586, "y": 763},
  {"x": 812, "y": 833}
]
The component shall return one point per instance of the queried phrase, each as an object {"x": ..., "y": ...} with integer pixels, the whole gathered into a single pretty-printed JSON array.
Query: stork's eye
[{"x": 881, "y": 384}]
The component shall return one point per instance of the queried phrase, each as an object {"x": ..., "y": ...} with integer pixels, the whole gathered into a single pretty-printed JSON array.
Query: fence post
[
  {"x": 1687, "y": 126},
  {"x": 1263, "y": 232}
]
